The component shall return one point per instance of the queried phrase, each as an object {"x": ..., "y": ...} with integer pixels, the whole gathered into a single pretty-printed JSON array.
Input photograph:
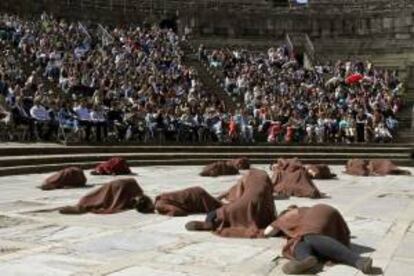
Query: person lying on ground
[
  {"x": 193, "y": 200},
  {"x": 72, "y": 177},
  {"x": 114, "y": 197},
  {"x": 248, "y": 215},
  {"x": 314, "y": 234},
  {"x": 113, "y": 166}
]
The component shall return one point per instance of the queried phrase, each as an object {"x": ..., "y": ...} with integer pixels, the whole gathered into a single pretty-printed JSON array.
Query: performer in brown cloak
[
  {"x": 114, "y": 166},
  {"x": 385, "y": 167},
  {"x": 219, "y": 168},
  {"x": 192, "y": 200},
  {"x": 315, "y": 232},
  {"x": 290, "y": 178},
  {"x": 71, "y": 177},
  {"x": 320, "y": 171},
  {"x": 113, "y": 197},
  {"x": 240, "y": 163},
  {"x": 357, "y": 167},
  {"x": 375, "y": 167},
  {"x": 248, "y": 215}
]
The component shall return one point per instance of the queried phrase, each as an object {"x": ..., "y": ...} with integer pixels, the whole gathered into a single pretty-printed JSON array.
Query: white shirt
[
  {"x": 97, "y": 116},
  {"x": 39, "y": 113},
  {"x": 83, "y": 113}
]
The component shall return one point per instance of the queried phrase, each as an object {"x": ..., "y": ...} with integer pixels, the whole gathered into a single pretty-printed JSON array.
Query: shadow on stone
[{"x": 361, "y": 249}]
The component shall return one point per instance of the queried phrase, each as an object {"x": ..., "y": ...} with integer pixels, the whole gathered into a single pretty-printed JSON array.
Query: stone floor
[{"x": 380, "y": 212}]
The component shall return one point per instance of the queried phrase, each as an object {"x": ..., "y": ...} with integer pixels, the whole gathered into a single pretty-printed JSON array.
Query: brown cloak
[
  {"x": 252, "y": 211},
  {"x": 321, "y": 171},
  {"x": 385, "y": 167},
  {"x": 113, "y": 197},
  {"x": 219, "y": 168},
  {"x": 357, "y": 167},
  {"x": 193, "y": 200},
  {"x": 240, "y": 163},
  {"x": 290, "y": 178},
  {"x": 113, "y": 166},
  {"x": 71, "y": 177},
  {"x": 320, "y": 219}
]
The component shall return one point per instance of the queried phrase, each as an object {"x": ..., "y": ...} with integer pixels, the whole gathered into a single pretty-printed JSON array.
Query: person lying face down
[
  {"x": 219, "y": 168},
  {"x": 240, "y": 163},
  {"x": 194, "y": 200},
  {"x": 290, "y": 178},
  {"x": 377, "y": 167},
  {"x": 383, "y": 167},
  {"x": 357, "y": 167},
  {"x": 319, "y": 171},
  {"x": 113, "y": 197},
  {"x": 71, "y": 177},
  {"x": 113, "y": 166},
  {"x": 248, "y": 214},
  {"x": 313, "y": 233}
]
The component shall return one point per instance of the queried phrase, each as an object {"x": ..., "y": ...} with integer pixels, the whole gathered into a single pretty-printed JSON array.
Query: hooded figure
[
  {"x": 290, "y": 178},
  {"x": 247, "y": 216},
  {"x": 194, "y": 200},
  {"x": 71, "y": 177},
  {"x": 357, "y": 167},
  {"x": 219, "y": 168},
  {"x": 240, "y": 163},
  {"x": 320, "y": 171},
  {"x": 313, "y": 233},
  {"x": 114, "y": 166},
  {"x": 385, "y": 167},
  {"x": 113, "y": 197}
]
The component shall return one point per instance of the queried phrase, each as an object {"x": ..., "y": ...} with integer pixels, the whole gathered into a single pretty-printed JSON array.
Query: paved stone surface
[{"x": 379, "y": 210}]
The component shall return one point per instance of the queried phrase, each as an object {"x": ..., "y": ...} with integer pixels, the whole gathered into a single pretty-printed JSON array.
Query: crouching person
[
  {"x": 315, "y": 233},
  {"x": 251, "y": 210}
]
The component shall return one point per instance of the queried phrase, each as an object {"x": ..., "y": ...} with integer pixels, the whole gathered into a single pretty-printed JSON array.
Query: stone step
[
  {"x": 45, "y": 168},
  {"x": 52, "y": 149},
  {"x": 12, "y": 161}
]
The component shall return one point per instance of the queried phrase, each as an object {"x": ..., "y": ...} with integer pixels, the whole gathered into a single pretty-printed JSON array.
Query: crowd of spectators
[
  {"x": 123, "y": 83},
  {"x": 285, "y": 101},
  {"x": 131, "y": 84}
]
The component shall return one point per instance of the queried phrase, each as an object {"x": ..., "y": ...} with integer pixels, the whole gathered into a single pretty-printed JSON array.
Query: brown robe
[
  {"x": 113, "y": 197},
  {"x": 254, "y": 210},
  {"x": 321, "y": 171},
  {"x": 357, "y": 167},
  {"x": 320, "y": 219},
  {"x": 194, "y": 200},
  {"x": 385, "y": 167},
  {"x": 71, "y": 177},
  {"x": 240, "y": 163},
  {"x": 219, "y": 168},
  {"x": 113, "y": 166},
  {"x": 290, "y": 178}
]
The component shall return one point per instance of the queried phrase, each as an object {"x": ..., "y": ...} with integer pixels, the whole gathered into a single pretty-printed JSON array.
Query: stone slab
[{"x": 128, "y": 243}]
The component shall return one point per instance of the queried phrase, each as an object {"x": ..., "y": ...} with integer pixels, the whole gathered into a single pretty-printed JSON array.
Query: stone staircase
[
  {"x": 209, "y": 81},
  {"x": 39, "y": 159}
]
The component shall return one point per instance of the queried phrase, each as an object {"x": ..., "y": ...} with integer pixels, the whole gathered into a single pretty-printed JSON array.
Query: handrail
[
  {"x": 106, "y": 37},
  {"x": 84, "y": 30},
  {"x": 289, "y": 44}
]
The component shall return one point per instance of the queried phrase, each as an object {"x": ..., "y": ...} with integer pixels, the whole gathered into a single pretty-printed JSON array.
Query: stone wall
[{"x": 242, "y": 18}]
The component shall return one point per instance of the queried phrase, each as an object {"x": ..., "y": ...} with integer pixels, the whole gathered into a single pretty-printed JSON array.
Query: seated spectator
[
  {"x": 42, "y": 120},
  {"x": 98, "y": 119},
  {"x": 83, "y": 117}
]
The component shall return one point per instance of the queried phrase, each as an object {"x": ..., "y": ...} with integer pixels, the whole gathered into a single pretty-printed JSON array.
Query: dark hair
[
  {"x": 290, "y": 208},
  {"x": 144, "y": 205}
]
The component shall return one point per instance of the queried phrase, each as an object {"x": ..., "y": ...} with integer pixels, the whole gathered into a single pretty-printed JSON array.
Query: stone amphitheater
[{"x": 380, "y": 211}]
